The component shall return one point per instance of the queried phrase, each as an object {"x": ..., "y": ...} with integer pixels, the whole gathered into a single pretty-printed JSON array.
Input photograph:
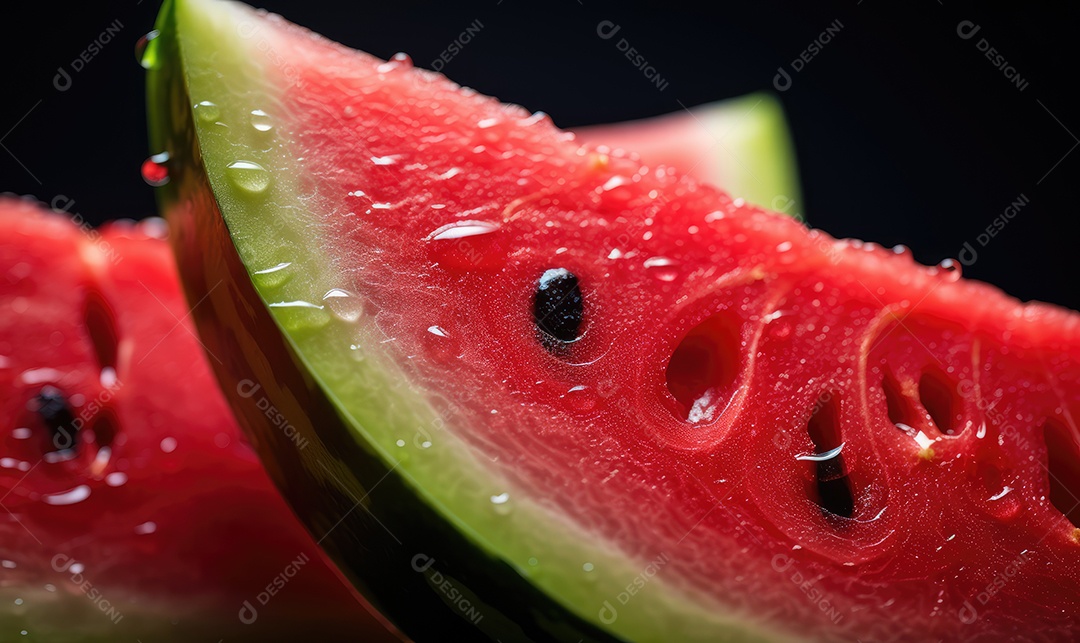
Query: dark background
[{"x": 905, "y": 132}]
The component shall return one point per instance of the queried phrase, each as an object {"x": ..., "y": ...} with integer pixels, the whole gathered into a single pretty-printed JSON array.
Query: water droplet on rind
[
  {"x": 273, "y": 277},
  {"x": 299, "y": 315},
  {"x": 501, "y": 503},
  {"x": 207, "y": 112},
  {"x": 343, "y": 304},
  {"x": 260, "y": 120},
  {"x": 146, "y": 50},
  {"x": 248, "y": 176}
]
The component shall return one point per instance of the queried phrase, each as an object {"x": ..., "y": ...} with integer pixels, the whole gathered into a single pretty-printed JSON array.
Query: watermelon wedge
[
  {"x": 740, "y": 144},
  {"x": 569, "y": 396},
  {"x": 132, "y": 506}
]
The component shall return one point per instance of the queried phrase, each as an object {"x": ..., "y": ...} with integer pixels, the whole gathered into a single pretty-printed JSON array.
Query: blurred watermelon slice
[
  {"x": 132, "y": 507},
  {"x": 741, "y": 144}
]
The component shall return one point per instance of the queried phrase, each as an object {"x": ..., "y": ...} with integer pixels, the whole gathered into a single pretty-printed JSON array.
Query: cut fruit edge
[{"x": 242, "y": 221}]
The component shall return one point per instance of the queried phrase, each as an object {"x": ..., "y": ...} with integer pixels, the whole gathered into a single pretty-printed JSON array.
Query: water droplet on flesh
[
  {"x": 581, "y": 398},
  {"x": 950, "y": 268},
  {"x": 820, "y": 457},
  {"x": 463, "y": 229},
  {"x": 70, "y": 497},
  {"x": 662, "y": 268}
]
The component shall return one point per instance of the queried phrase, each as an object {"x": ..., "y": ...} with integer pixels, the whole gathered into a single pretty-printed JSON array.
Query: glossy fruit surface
[
  {"x": 132, "y": 505},
  {"x": 580, "y": 396}
]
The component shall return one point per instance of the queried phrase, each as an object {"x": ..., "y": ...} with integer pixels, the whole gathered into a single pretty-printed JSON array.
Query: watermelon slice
[
  {"x": 740, "y": 144},
  {"x": 568, "y": 396},
  {"x": 132, "y": 506}
]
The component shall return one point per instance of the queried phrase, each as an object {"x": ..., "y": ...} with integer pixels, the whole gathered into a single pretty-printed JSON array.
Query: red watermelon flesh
[
  {"x": 132, "y": 505},
  {"x": 778, "y": 433}
]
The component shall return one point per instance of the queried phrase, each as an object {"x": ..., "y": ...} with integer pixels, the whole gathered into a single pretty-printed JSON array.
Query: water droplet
[
  {"x": 537, "y": 117},
  {"x": 21, "y": 433},
  {"x": 400, "y": 443},
  {"x": 501, "y": 503},
  {"x": 168, "y": 444},
  {"x": 614, "y": 182},
  {"x": 981, "y": 432},
  {"x": 155, "y": 171},
  {"x": 107, "y": 377},
  {"x": 272, "y": 277},
  {"x": 662, "y": 268},
  {"x": 437, "y": 331},
  {"x": 248, "y": 176},
  {"x": 901, "y": 250},
  {"x": 462, "y": 229},
  {"x": 298, "y": 315},
  {"x": 783, "y": 246},
  {"x": 207, "y": 112},
  {"x": 1001, "y": 494},
  {"x": 260, "y": 120},
  {"x": 950, "y": 268},
  {"x": 294, "y": 304},
  {"x": 906, "y": 429},
  {"x": 147, "y": 527},
  {"x": 390, "y": 159},
  {"x": 399, "y": 60},
  {"x": 146, "y": 51},
  {"x": 345, "y": 305},
  {"x": 466, "y": 245},
  {"x": 581, "y": 398},
  {"x": 116, "y": 479},
  {"x": 821, "y": 457},
  {"x": 70, "y": 497},
  {"x": 588, "y": 567},
  {"x": 487, "y": 122}
]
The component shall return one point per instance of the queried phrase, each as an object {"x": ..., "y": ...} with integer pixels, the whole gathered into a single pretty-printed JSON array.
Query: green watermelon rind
[{"x": 381, "y": 510}]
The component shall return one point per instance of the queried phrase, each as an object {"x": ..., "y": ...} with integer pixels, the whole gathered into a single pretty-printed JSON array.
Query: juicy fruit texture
[
  {"x": 133, "y": 507},
  {"x": 741, "y": 145},
  {"x": 592, "y": 398}
]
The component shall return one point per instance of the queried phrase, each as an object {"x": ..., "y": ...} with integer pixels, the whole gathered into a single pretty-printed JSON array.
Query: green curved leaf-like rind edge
[
  {"x": 381, "y": 510},
  {"x": 758, "y": 150}
]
